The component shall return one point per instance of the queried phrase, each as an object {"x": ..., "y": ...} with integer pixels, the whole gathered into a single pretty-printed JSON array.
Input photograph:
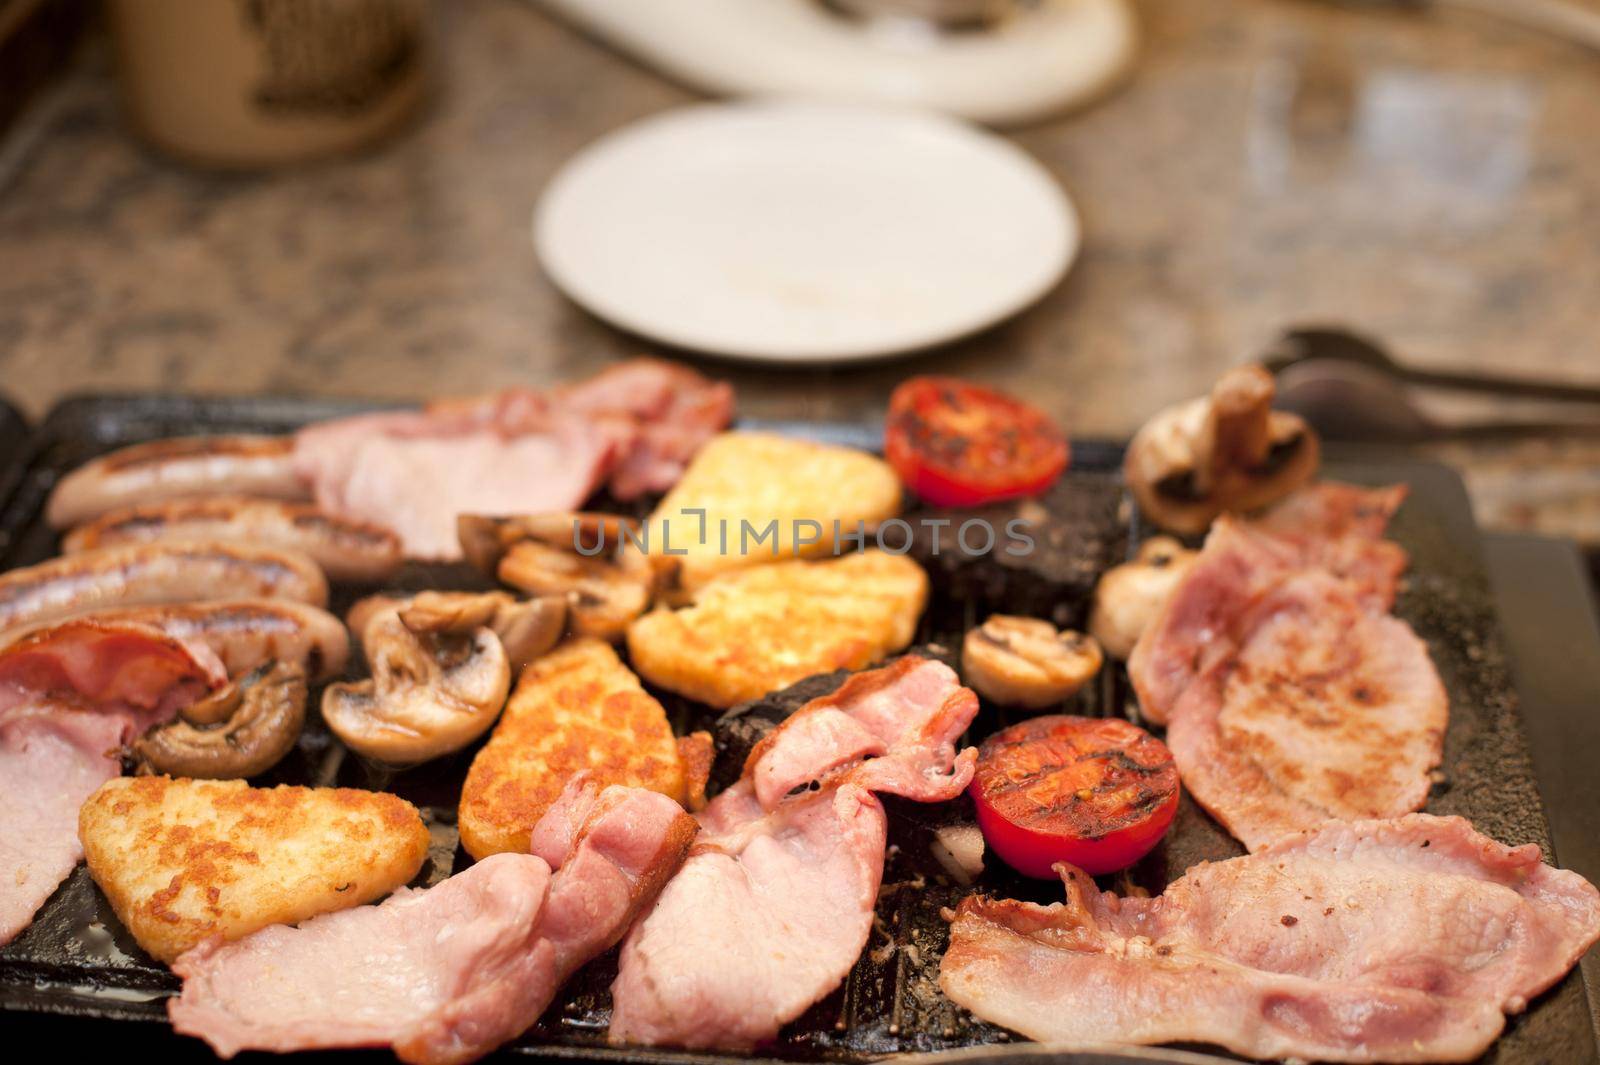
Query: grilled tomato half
[
  {"x": 959, "y": 445},
  {"x": 1096, "y": 792}
]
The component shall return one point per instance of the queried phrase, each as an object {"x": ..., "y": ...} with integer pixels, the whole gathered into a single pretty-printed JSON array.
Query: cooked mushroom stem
[
  {"x": 1129, "y": 596},
  {"x": 1237, "y": 432},
  {"x": 243, "y": 729},
  {"x": 1026, "y": 662},
  {"x": 430, "y": 693},
  {"x": 1228, "y": 451}
]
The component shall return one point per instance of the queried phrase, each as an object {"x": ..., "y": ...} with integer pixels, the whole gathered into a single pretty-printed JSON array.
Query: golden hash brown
[
  {"x": 758, "y": 630},
  {"x": 696, "y": 751},
  {"x": 182, "y": 860},
  {"x": 576, "y": 708},
  {"x": 759, "y": 478}
]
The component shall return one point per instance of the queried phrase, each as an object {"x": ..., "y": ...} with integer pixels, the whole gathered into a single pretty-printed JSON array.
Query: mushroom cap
[
  {"x": 429, "y": 693},
  {"x": 1183, "y": 478},
  {"x": 527, "y": 627},
  {"x": 456, "y": 612},
  {"x": 603, "y": 595},
  {"x": 530, "y": 627},
  {"x": 1027, "y": 662},
  {"x": 485, "y": 539},
  {"x": 240, "y": 730},
  {"x": 1129, "y": 596},
  {"x": 481, "y": 545},
  {"x": 583, "y": 557}
]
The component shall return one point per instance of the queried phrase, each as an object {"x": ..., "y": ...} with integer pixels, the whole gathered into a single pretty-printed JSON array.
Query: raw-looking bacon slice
[
  {"x": 1324, "y": 711},
  {"x": 448, "y": 973},
  {"x": 1291, "y": 697},
  {"x": 633, "y": 427},
  {"x": 776, "y": 901},
  {"x": 1402, "y": 940},
  {"x": 1332, "y": 527},
  {"x": 70, "y": 696}
]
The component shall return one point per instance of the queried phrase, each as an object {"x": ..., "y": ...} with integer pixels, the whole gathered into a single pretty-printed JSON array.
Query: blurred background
[{"x": 295, "y": 196}]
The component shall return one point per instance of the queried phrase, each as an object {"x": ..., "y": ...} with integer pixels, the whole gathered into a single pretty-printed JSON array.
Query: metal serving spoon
[{"x": 1349, "y": 388}]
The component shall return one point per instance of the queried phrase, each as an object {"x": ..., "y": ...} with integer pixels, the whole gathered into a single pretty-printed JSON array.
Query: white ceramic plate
[{"x": 795, "y": 232}]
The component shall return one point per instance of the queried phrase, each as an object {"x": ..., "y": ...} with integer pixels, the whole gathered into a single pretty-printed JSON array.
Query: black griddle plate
[
  {"x": 76, "y": 960},
  {"x": 13, "y": 450}
]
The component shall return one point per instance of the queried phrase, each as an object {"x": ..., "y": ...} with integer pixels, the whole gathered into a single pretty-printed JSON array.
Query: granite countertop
[{"x": 1432, "y": 179}]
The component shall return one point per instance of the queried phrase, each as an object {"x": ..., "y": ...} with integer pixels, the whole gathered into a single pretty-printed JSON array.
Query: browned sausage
[
  {"x": 179, "y": 468},
  {"x": 346, "y": 550},
  {"x": 244, "y": 633},
  {"x": 177, "y": 572}
]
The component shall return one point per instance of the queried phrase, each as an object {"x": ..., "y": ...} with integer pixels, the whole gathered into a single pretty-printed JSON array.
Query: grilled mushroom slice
[
  {"x": 1128, "y": 596},
  {"x": 430, "y": 693},
  {"x": 527, "y": 627},
  {"x": 240, "y": 730},
  {"x": 1229, "y": 451},
  {"x": 1026, "y": 662},
  {"x": 540, "y": 555}
]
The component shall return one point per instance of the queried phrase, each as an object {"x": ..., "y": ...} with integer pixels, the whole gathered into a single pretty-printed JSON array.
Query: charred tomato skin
[
  {"x": 956, "y": 444},
  {"x": 1098, "y": 793}
]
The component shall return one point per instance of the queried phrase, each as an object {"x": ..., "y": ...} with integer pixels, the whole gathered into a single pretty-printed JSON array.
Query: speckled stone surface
[{"x": 1431, "y": 179}]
